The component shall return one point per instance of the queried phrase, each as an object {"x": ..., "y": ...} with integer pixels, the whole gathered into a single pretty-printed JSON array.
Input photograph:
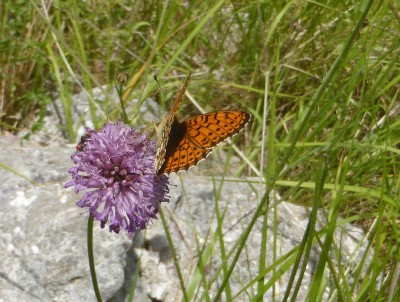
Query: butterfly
[{"x": 182, "y": 145}]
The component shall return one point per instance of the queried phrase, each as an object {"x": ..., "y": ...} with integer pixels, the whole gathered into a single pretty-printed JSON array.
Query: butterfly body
[{"x": 182, "y": 145}]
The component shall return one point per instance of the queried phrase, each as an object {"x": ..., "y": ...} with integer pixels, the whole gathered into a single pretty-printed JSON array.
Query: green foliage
[
  {"x": 328, "y": 73},
  {"x": 22, "y": 65}
]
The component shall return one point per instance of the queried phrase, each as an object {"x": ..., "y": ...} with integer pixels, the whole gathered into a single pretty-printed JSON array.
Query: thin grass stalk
[
  {"x": 64, "y": 96},
  {"x": 173, "y": 254},
  {"x": 191, "y": 36},
  {"x": 271, "y": 157},
  {"x": 309, "y": 238},
  {"x": 134, "y": 282},
  {"x": 263, "y": 248},
  {"x": 329, "y": 237},
  {"x": 221, "y": 239},
  {"x": 201, "y": 268},
  {"x": 85, "y": 76}
]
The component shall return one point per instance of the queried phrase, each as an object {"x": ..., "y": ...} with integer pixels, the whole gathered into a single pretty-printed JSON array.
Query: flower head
[{"x": 115, "y": 165}]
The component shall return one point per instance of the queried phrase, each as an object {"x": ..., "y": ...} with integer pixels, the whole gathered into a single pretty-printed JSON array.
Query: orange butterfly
[{"x": 183, "y": 144}]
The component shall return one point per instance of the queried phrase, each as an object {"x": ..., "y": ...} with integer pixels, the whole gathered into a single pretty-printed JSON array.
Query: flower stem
[{"x": 91, "y": 258}]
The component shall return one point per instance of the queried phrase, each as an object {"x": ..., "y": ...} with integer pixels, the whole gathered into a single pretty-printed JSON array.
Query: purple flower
[{"x": 116, "y": 165}]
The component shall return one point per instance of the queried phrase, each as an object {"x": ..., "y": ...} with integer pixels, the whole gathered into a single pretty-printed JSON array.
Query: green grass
[{"x": 321, "y": 79}]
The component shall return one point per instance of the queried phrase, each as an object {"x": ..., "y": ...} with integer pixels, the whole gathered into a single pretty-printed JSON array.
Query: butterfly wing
[
  {"x": 178, "y": 99},
  {"x": 192, "y": 140},
  {"x": 208, "y": 130},
  {"x": 183, "y": 157},
  {"x": 163, "y": 133},
  {"x": 163, "y": 130}
]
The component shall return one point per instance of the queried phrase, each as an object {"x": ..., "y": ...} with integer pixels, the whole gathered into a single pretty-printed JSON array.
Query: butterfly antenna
[
  {"x": 122, "y": 78},
  {"x": 159, "y": 86}
]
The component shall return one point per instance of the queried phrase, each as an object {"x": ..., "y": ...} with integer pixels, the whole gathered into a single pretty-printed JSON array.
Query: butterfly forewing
[
  {"x": 163, "y": 131},
  {"x": 181, "y": 93}
]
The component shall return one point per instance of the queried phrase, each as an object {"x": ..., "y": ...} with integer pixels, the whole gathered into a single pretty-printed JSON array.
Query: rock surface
[{"x": 43, "y": 238}]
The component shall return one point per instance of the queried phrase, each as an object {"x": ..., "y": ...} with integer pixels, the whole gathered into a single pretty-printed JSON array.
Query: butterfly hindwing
[
  {"x": 185, "y": 155},
  {"x": 208, "y": 130}
]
